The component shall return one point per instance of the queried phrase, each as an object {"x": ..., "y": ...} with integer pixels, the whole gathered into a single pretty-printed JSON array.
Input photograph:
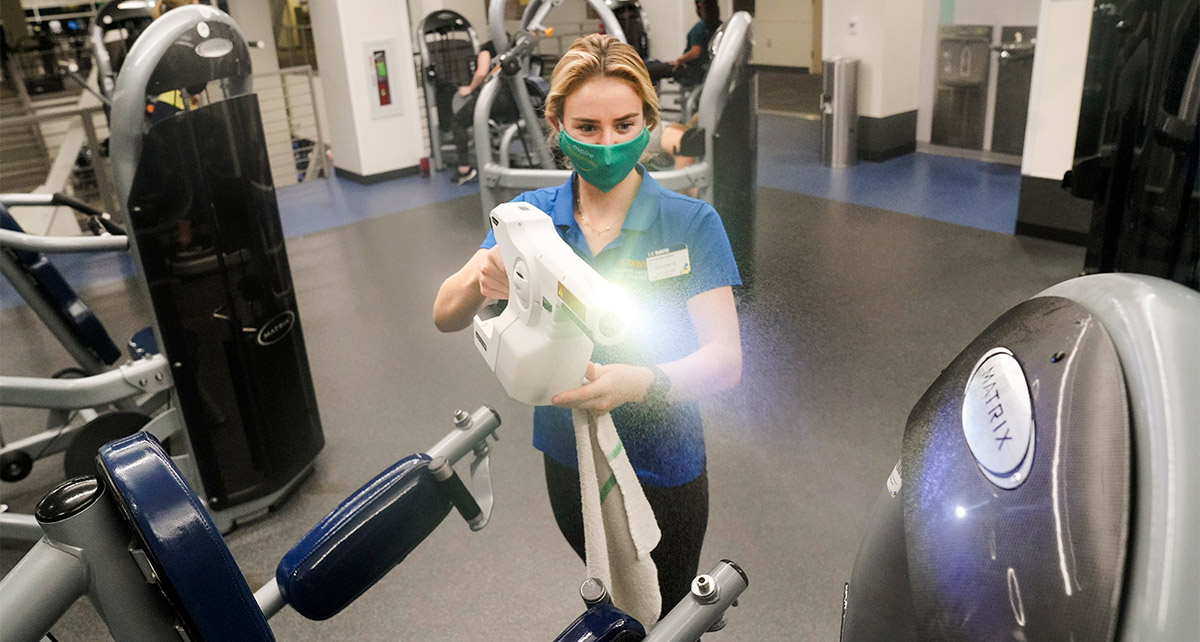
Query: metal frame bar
[
  {"x": 20, "y": 528},
  {"x": 146, "y": 375},
  {"x": 63, "y": 244}
]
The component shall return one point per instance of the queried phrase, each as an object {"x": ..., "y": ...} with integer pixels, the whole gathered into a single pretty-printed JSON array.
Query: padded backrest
[
  {"x": 195, "y": 569},
  {"x": 449, "y": 47},
  {"x": 362, "y": 539},
  {"x": 452, "y": 60}
]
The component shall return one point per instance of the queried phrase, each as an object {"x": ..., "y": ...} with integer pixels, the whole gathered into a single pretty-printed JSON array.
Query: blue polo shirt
[{"x": 665, "y": 444}]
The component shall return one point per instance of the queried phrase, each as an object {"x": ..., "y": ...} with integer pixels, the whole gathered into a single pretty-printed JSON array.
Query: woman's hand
[
  {"x": 463, "y": 91},
  {"x": 493, "y": 278},
  {"x": 608, "y": 387}
]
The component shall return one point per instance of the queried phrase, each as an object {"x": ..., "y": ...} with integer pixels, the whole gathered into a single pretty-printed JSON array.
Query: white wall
[
  {"x": 783, "y": 32},
  {"x": 475, "y": 11},
  {"x": 362, "y": 144},
  {"x": 882, "y": 38},
  {"x": 666, "y": 20},
  {"x": 254, "y": 18},
  {"x": 991, "y": 12},
  {"x": 899, "y": 81},
  {"x": 1057, "y": 88}
]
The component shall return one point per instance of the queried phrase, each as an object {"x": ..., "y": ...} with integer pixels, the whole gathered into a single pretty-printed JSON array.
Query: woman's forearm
[
  {"x": 459, "y": 298},
  {"x": 711, "y": 369},
  {"x": 689, "y": 55}
]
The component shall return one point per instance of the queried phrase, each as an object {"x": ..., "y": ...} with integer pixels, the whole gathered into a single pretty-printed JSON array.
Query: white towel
[{"x": 618, "y": 524}]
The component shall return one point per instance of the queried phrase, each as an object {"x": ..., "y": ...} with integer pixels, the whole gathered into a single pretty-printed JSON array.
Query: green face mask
[{"x": 604, "y": 165}]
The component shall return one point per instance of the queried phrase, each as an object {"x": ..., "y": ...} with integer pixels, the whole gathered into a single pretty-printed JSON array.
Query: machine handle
[
  {"x": 459, "y": 495},
  {"x": 481, "y": 482}
]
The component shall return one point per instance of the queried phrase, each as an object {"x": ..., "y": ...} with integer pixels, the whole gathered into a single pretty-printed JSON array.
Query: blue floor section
[
  {"x": 319, "y": 205},
  {"x": 954, "y": 190}
]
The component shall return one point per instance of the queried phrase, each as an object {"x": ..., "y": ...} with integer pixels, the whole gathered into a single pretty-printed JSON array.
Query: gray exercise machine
[
  {"x": 448, "y": 47},
  {"x": 1046, "y": 487},
  {"x": 97, "y": 401},
  {"x": 139, "y": 544}
]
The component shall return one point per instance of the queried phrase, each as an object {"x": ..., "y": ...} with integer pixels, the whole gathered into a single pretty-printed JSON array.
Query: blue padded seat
[
  {"x": 371, "y": 531},
  {"x": 195, "y": 570},
  {"x": 603, "y": 623}
]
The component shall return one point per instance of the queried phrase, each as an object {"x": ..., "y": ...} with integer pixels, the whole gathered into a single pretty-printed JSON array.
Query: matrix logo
[
  {"x": 277, "y": 328},
  {"x": 997, "y": 418}
]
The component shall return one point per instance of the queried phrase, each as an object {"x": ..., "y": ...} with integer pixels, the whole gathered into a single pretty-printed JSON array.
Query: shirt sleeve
[
  {"x": 710, "y": 255},
  {"x": 695, "y": 36}
]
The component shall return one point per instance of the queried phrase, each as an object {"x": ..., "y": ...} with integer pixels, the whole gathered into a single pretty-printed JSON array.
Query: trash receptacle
[{"x": 839, "y": 112}]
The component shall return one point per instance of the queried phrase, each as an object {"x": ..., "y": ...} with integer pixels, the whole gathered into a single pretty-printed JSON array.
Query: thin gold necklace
[{"x": 584, "y": 219}]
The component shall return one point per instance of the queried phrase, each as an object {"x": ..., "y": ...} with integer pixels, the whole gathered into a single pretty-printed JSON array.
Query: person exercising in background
[
  {"x": 503, "y": 107},
  {"x": 689, "y": 67},
  {"x": 671, "y": 256}
]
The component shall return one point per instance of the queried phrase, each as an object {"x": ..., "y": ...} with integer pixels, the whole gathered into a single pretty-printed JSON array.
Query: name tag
[{"x": 668, "y": 262}]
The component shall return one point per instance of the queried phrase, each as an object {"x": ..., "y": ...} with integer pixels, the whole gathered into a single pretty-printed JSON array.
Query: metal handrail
[
  {"x": 299, "y": 105},
  {"x": 59, "y": 172},
  {"x": 39, "y": 118}
]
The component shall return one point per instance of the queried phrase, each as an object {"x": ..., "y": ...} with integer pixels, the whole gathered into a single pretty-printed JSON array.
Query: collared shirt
[{"x": 664, "y": 444}]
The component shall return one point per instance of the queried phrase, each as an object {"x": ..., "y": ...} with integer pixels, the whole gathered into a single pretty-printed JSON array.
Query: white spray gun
[{"x": 557, "y": 307}]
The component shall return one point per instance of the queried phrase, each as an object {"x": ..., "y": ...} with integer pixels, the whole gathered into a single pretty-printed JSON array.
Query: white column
[
  {"x": 368, "y": 139},
  {"x": 1057, "y": 88},
  {"x": 668, "y": 22}
]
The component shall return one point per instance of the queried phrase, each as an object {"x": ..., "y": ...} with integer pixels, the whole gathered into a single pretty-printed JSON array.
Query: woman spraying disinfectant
[{"x": 670, "y": 256}]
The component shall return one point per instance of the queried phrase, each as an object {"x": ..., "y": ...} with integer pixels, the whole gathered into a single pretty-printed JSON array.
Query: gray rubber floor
[{"x": 856, "y": 312}]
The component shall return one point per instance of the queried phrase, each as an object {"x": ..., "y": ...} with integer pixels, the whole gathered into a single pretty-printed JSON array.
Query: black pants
[
  {"x": 682, "y": 514},
  {"x": 504, "y": 110}
]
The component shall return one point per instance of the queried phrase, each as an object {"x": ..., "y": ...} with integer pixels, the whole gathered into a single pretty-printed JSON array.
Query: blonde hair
[{"x": 600, "y": 55}]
